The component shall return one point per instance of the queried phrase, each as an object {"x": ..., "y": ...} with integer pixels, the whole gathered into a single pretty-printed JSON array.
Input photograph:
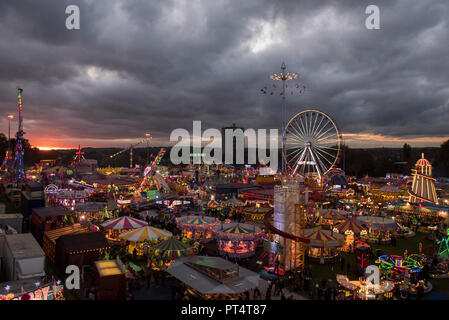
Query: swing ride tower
[
  {"x": 19, "y": 167},
  {"x": 283, "y": 77}
]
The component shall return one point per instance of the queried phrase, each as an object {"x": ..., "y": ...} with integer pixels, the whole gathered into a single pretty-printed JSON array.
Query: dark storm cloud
[{"x": 139, "y": 66}]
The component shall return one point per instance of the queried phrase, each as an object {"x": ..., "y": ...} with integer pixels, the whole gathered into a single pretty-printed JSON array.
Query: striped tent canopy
[
  {"x": 237, "y": 229},
  {"x": 323, "y": 238},
  {"x": 233, "y": 202},
  {"x": 173, "y": 247},
  {"x": 124, "y": 223},
  {"x": 212, "y": 204},
  {"x": 198, "y": 220},
  {"x": 378, "y": 222},
  {"x": 145, "y": 233},
  {"x": 334, "y": 214},
  {"x": 350, "y": 225}
]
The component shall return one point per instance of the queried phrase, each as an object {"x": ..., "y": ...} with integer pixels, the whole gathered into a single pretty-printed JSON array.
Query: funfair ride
[
  {"x": 130, "y": 148},
  {"x": 150, "y": 174},
  {"x": 19, "y": 167},
  {"x": 313, "y": 144}
]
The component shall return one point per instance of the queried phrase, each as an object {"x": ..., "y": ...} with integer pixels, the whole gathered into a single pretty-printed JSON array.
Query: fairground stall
[
  {"x": 117, "y": 226},
  {"x": 67, "y": 198},
  {"x": 237, "y": 240},
  {"x": 352, "y": 230},
  {"x": 323, "y": 245},
  {"x": 95, "y": 212},
  {"x": 197, "y": 227},
  {"x": 380, "y": 229},
  {"x": 29, "y": 289}
]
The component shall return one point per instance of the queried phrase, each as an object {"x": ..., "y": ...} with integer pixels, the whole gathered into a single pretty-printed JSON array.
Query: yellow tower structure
[
  {"x": 423, "y": 186},
  {"x": 290, "y": 199}
]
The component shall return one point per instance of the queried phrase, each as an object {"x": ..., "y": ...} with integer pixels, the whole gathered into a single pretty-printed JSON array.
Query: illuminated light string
[
  {"x": 443, "y": 248},
  {"x": 411, "y": 264}
]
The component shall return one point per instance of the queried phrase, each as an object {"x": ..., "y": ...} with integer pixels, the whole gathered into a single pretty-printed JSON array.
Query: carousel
[
  {"x": 380, "y": 229},
  {"x": 165, "y": 252},
  {"x": 332, "y": 216},
  {"x": 352, "y": 230},
  {"x": 117, "y": 226},
  {"x": 237, "y": 240},
  {"x": 196, "y": 227},
  {"x": 213, "y": 206},
  {"x": 141, "y": 238},
  {"x": 323, "y": 245},
  {"x": 405, "y": 273},
  {"x": 364, "y": 290},
  {"x": 256, "y": 214}
]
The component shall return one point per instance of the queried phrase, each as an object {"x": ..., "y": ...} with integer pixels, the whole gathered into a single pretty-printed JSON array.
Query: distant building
[{"x": 234, "y": 143}]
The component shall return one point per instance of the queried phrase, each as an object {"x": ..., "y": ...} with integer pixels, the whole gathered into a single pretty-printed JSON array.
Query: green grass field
[{"x": 329, "y": 271}]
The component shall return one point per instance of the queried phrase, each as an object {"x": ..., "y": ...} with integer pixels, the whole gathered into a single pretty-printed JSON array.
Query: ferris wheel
[{"x": 313, "y": 144}]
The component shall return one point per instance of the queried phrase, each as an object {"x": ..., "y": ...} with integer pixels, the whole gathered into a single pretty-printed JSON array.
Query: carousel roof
[
  {"x": 197, "y": 220},
  {"x": 145, "y": 233},
  {"x": 234, "y": 202},
  {"x": 238, "y": 229},
  {"x": 173, "y": 245},
  {"x": 124, "y": 223},
  {"x": 378, "y": 222},
  {"x": 323, "y": 238},
  {"x": 333, "y": 214},
  {"x": 350, "y": 225}
]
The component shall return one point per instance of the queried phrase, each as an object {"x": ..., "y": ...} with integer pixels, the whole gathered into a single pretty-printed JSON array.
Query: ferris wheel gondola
[{"x": 313, "y": 144}]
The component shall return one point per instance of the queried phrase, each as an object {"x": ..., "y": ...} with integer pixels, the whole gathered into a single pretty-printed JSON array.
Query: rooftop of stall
[
  {"x": 232, "y": 188},
  {"x": 47, "y": 218},
  {"x": 23, "y": 246},
  {"x": 111, "y": 280},
  {"x": 213, "y": 275},
  {"x": 50, "y": 237},
  {"x": 79, "y": 249}
]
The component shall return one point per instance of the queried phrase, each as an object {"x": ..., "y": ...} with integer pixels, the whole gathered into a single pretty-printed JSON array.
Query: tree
[
  {"x": 442, "y": 158},
  {"x": 3, "y": 145},
  {"x": 406, "y": 152}
]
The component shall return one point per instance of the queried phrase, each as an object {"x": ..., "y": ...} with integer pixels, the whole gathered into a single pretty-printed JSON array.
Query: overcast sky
[{"x": 139, "y": 66}]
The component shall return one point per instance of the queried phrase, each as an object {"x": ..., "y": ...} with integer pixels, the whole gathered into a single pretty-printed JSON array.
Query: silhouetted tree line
[{"x": 375, "y": 162}]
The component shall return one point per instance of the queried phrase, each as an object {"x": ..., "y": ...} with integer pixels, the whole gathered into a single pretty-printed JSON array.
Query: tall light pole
[
  {"x": 148, "y": 147},
  {"x": 10, "y": 117}
]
